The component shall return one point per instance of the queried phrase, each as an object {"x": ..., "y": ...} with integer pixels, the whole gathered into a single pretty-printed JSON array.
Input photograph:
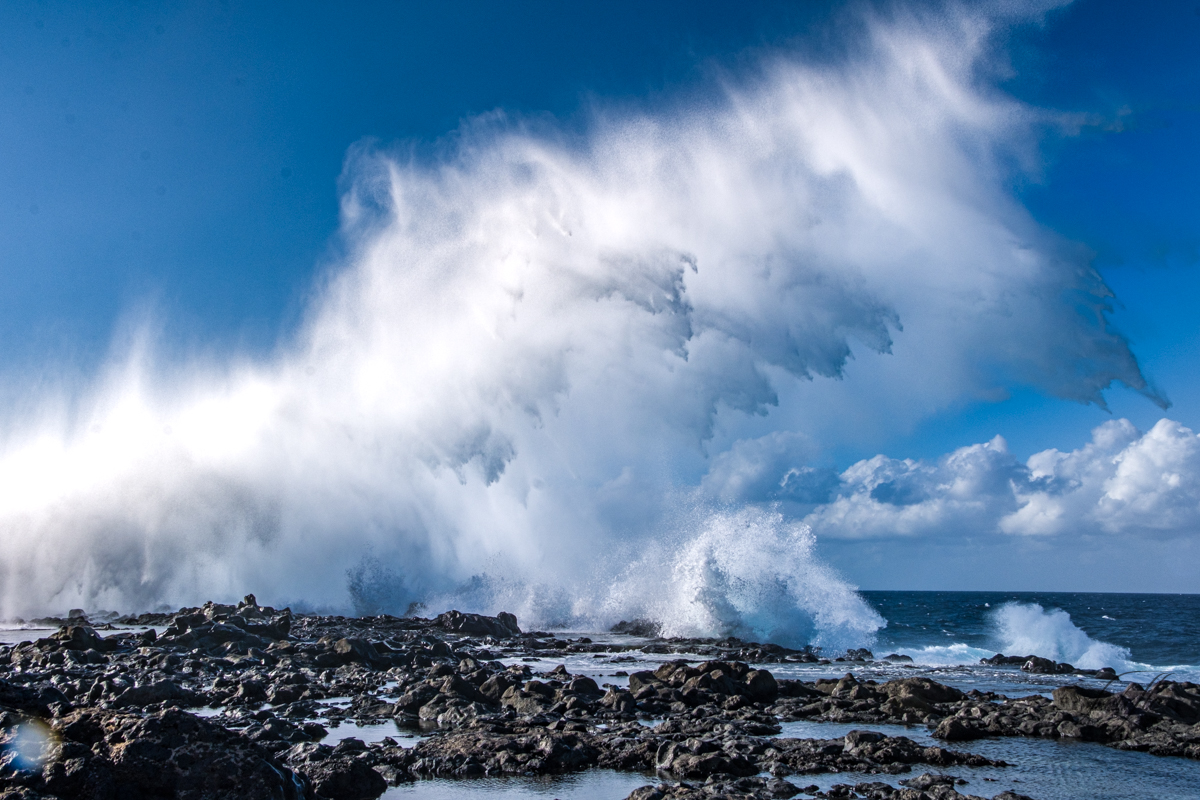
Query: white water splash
[
  {"x": 749, "y": 574},
  {"x": 947, "y": 655},
  {"x": 1028, "y": 629},
  {"x": 540, "y": 341}
]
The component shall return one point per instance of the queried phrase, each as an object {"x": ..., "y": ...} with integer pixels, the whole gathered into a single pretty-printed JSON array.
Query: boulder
[
  {"x": 501, "y": 626},
  {"x": 344, "y": 778},
  {"x": 82, "y": 637},
  {"x": 642, "y": 679},
  {"x": 619, "y": 701},
  {"x": 701, "y": 758},
  {"x": 644, "y": 628},
  {"x": 923, "y": 689},
  {"x": 1081, "y": 699},
  {"x": 1046, "y": 666},
  {"x": 854, "y": 741},
  {"x": 525, "y": 702},
  {"x": 955, "y": 729},
  {"x": 929, "y": 780},
  {"x": 761, "y": 685},
  {"x": 37, "y": 701},
  {"x": 495, "y": 687},
  {"x": 356, "y": 650},
  {"x": 465, "y": 755},
  {"x": 153, "y": 693},
  {"x": 583, "y": 685},
  {"x": 166, "y": 754}
]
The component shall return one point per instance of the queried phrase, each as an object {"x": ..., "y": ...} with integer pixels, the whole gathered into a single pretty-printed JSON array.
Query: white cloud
[
  {"x": 1122, "y": 483},
  {"x": 768, "y": 468}
]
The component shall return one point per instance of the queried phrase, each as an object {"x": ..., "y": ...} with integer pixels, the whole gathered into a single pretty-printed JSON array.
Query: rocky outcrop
[
  {"x": 533, "y": 751},
  {"x": 109, "y": 755},
  {"x": 282, "y": 680},
  {"x": 1157, "y": 720},
  {"x": 1046, "y": 666},
  {"x": 501, "y": 626}
]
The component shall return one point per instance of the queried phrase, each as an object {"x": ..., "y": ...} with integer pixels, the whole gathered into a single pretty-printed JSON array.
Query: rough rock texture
[
  {"x": 117, "y": 706},
  {"x": 108, "y": 755},
  {"x": 924, "y": 787},
  {"x": 528, "y": 752},
  {"x": 1160, "y": 720}
]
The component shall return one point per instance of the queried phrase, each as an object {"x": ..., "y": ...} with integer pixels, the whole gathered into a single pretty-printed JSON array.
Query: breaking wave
[
  {"x": 946, "y": 655},
  {"x": 751, "y": 574},
  {"x": 1028, "y": 629}
]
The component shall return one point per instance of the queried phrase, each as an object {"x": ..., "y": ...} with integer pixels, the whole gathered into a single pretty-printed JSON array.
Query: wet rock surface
[
  {"x": 109, "y": 755},
  {"x": 928, "y": 786},
  {"x": 116, "y": 715},
  {"x": 1160, "y": 719}
]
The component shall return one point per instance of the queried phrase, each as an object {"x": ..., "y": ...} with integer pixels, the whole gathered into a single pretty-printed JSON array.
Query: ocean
[{"x": 1151, "y": 632}]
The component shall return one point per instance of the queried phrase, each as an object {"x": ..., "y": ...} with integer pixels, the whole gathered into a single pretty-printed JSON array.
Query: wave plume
[{"x": 540, "y": 340}]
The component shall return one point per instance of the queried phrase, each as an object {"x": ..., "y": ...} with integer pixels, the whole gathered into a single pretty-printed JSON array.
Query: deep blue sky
[
  {"x": 1127, "y": 189},
  {"x": 185, "y": 157}
]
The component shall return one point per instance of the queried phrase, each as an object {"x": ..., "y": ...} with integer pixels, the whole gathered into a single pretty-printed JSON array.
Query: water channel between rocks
[
  {"x": 1042, "y": 769},
  {"x": 356, "y": 685}
]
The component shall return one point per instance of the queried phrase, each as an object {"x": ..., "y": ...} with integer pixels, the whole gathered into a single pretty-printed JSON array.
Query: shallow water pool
[
  {"x": 374, "y": 732},
  {"x": 1042, "y": 769},
  {"x": 597, "y": 784}
]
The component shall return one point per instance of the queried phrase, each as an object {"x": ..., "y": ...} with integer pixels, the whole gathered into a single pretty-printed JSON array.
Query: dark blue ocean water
[{"x": 1155, "y": 629}]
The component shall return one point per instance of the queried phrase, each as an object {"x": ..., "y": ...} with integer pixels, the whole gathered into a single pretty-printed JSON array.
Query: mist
[{"x": 545, "y": 348}]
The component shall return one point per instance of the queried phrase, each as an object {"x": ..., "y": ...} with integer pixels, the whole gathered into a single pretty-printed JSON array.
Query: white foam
[
  {"x": 957, "y": 654},
  {"x": 748, "y": 573},
  {"x": 1028, "y": 629}
]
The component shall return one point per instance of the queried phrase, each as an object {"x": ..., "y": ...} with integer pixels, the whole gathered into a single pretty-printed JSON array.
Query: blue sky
[
  {"x": 1126, "y": 190},
  {"x": 184, "y": 158},
  {"x": 182, "y": 168},
  {"x": 188, "y": 155}
]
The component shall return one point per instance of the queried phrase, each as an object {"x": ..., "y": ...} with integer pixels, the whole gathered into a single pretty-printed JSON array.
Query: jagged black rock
[{"x": 116, "y": 707}]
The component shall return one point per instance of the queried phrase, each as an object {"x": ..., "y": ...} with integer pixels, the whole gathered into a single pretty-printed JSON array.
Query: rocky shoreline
[{"x": 107, "y": 717}]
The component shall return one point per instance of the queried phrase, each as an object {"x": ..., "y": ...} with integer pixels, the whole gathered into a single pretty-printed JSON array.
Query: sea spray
[
  {"x": 1023, "y": 629},
  {"x": 1014, "y": 629},
  {"x": 749, "y": 573},
  {"x": 537, "y": 340},
  {"x": 746, "y": 572}
]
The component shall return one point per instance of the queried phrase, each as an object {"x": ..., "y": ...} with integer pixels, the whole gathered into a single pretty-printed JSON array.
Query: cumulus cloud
[
  {"x": 539, "y": 343},
  {"x": 1122, "y": 483}
]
